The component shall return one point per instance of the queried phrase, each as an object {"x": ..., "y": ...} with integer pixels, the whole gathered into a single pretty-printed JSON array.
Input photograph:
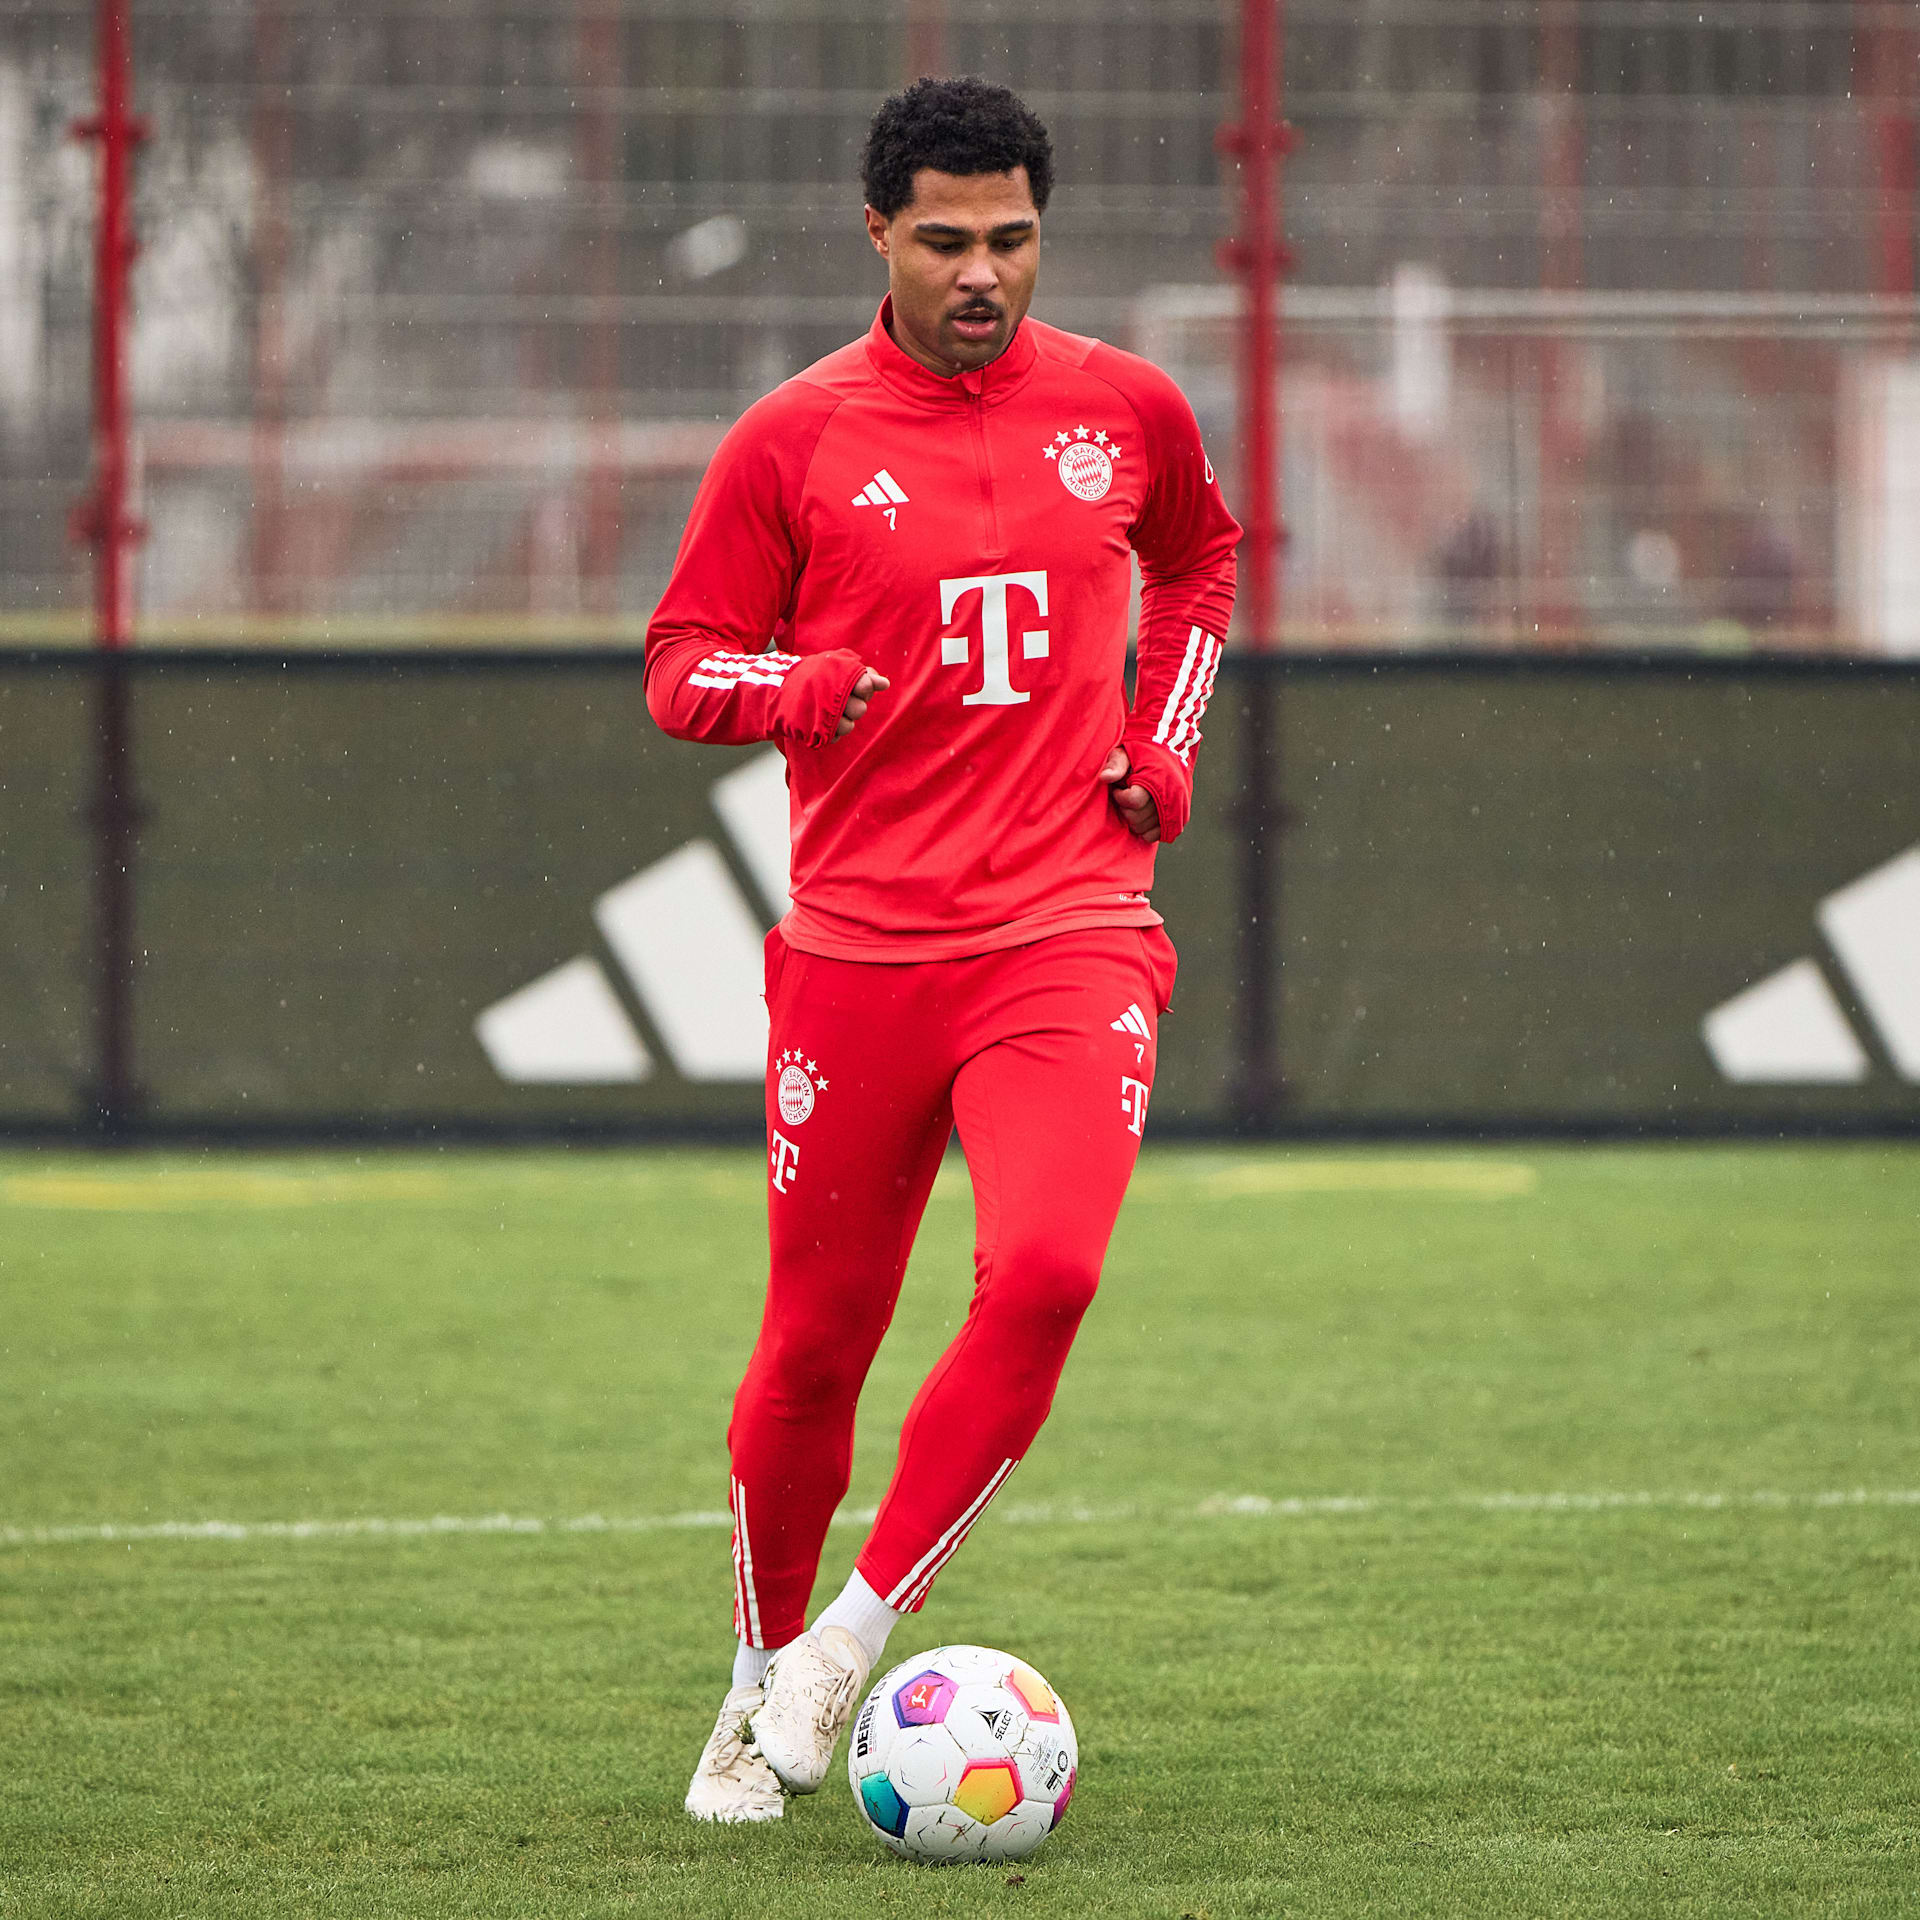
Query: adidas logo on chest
[{"x": 886, "y": 493}]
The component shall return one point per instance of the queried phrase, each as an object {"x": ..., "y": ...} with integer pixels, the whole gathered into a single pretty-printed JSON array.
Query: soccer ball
[{"x": 962, "y": 1754}]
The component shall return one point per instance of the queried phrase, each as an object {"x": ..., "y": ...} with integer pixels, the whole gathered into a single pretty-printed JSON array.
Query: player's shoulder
[
  {"x": 810, "y": 398},
  {"x": 773, "y": 441},
  {"x": 1153, "y": 394}
]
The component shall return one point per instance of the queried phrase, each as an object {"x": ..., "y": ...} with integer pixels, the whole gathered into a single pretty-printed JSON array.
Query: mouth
[{"x": 977, "y": 323}]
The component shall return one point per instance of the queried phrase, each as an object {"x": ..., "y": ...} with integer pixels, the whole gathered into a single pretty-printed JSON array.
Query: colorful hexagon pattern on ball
[
  {"x": 923, "y": 1701},
  {"x": 962, "y": 1754},
  {"x": 989, "y": 1790},
  {"x": 880, "y": 1801},
  {"x": 1033, "y": 1693}
]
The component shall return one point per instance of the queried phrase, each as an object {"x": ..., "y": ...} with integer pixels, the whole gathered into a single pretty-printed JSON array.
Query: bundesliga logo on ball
[{"x": 963, "y": 1754}]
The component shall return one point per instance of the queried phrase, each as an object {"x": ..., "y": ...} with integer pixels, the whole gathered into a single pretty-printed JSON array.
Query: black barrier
[{"x": 481, "y": 894}]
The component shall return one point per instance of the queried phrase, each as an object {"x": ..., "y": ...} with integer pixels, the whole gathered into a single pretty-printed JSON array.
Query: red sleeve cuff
[
  {"x": 1167, "y": 778},
  {"x": 814, "y": 695}
]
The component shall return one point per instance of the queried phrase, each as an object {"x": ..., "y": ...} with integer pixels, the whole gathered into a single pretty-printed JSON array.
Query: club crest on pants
[{"x": 800, "y": 1081}]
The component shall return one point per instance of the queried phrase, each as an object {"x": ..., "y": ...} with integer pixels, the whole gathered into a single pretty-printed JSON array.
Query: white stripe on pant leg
[
  {"x": 1194, "y": 637},
  {"x": 924, "y": 1585},
  {"x": 739, "y": 1586},
  {"x": 942, "y": 1548},
  {"x": 743, "y": 1559}
]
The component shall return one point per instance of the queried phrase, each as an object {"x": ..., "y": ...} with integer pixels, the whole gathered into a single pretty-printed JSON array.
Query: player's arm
[
  {"x": 711, "y": 673},
  {"x": 1185, "y": 538}
]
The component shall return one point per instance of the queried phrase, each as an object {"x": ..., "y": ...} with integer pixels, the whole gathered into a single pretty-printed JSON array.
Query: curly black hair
[{"x": 954, "y": 126}]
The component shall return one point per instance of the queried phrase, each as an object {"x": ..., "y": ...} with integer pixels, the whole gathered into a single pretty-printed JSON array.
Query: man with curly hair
[{"x": 909, "y": 567}]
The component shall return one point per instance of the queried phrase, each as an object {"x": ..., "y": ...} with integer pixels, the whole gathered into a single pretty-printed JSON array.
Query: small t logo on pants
[
  {"x": 783, "y": 1159},
  {"x": 1133, "y": 1103}
]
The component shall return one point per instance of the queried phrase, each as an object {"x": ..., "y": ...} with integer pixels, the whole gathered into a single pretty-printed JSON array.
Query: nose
[{"x": 978, "y": 275}]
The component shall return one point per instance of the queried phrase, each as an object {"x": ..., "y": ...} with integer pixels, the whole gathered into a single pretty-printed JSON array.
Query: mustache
[{"x": 978, "y": 310}]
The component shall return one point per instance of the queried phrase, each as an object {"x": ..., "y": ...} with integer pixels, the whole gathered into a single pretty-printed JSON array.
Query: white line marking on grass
[
  {"x": 442, "y": 1523},
  {"x": 1041, "y": 1513},
  {"x": 1260, "y": 1504}
]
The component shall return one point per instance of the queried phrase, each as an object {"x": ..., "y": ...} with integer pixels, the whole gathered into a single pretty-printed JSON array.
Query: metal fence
[{"x": 443, "y": 303}]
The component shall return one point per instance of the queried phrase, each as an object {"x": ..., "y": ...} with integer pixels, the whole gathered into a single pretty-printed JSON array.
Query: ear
[{"x": 877, "y": 233}]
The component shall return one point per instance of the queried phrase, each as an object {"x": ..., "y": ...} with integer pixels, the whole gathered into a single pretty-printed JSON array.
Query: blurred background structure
[
  {"x": 1565, "y": 772},
  {"x": 1600, "y": 330}
]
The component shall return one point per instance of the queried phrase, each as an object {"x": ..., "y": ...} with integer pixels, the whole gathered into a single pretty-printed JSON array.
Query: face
[{"x": 961, "y": 259}]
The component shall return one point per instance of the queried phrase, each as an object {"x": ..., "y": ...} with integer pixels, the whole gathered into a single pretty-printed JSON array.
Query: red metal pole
[
  {"x": 1557, "y": 620},
  {"x": 272, "y": 134},
  {"x": 1259, "y": 256},
  {"x": 1884, "y": 61},
  {"x": 602, "y": 69},
  {"x": 107, "y": 520}
]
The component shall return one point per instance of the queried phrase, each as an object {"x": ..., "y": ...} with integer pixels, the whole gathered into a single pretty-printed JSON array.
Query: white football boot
[
  {"x": 732, "y": 1782},
  {"x": 811, "y": 1690}
]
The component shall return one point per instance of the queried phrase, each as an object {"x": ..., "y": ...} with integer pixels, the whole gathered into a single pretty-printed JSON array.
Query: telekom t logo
[
  {"x": 995, "y": 689},
  {"x": 783, "y": 1160}
]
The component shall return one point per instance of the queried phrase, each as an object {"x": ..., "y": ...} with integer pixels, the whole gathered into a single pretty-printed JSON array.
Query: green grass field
[{"x": 1511, "y": 1532}]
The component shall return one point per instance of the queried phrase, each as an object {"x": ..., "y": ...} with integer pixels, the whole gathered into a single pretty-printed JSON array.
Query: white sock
[
  {"x": 750, "y": 1665},
  {"x": 863, "y": 1614}
]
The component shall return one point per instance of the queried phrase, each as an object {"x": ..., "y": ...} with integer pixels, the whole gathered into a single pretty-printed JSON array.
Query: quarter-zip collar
[{"x": 998, "y": 380}]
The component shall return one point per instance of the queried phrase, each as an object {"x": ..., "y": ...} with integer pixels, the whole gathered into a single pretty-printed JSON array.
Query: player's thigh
[
  {"x": 857, "y": 1110},
  {"x": 1053, "y": 1112}
]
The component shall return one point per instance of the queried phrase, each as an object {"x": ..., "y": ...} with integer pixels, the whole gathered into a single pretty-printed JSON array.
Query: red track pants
[{"x": 1044, "y": 1055}]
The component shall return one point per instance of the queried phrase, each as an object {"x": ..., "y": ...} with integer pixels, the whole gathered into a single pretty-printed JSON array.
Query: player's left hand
[{"x": 1135, "y": 805}]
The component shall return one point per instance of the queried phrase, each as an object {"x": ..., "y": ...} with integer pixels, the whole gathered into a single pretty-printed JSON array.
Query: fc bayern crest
[
  {"x": 800, "y": 1081},
  {"x": 1084, "y": 460}
]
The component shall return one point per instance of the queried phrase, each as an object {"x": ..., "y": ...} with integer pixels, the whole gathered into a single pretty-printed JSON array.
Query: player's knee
[
  {"x": 1048, "y": 1286},
  {"x": 813, "y": 1371}
]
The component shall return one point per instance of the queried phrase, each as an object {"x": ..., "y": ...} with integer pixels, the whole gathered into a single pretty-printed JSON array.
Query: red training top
[{"x": 968, "y": 539}]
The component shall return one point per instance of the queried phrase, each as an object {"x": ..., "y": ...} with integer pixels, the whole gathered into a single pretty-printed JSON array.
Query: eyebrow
[{"x": 940, "y": 227}]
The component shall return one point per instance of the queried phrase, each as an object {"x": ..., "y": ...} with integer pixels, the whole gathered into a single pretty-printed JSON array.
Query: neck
[{"x": 921, "y": 356}]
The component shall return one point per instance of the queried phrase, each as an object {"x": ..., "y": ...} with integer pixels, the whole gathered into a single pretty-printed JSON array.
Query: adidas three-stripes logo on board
[
  {"x": 687, "y": 942},
  {"x": 1791, "y": 1029}
]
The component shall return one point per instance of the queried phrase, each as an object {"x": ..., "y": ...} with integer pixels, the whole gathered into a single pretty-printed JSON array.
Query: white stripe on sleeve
[
  {"x": 1185, "y": 735},
  {"x": 725, "y": 671},
  {"x": 1194, "y": 638}
]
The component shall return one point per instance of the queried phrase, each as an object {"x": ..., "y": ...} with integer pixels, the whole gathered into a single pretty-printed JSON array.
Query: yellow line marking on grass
[
  {"x": 1481, "y": 1179},
  {"x": 1042, "y": 1513},
  {"x": 1263, "y": 1179},
  {"x": 150, "y": 1190},
  {"x": 1280, "y": 1178}
]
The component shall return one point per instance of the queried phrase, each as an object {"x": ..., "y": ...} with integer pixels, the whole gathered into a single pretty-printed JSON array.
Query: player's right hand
[{"x": 864, "y": 689}]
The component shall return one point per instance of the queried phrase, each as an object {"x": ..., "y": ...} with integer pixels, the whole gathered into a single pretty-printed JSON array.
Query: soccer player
[{"x": 909, "y": 567}]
